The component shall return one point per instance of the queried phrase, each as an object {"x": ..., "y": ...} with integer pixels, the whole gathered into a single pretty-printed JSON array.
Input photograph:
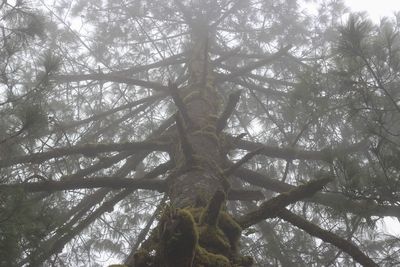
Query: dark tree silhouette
[{"x": 198, "y": 133}]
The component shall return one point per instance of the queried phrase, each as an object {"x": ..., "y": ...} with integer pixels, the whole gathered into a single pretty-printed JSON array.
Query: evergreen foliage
[{"x": 123, "y": 122}]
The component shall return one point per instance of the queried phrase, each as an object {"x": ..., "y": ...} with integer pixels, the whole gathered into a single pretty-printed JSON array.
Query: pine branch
[
  {"x": 270, "y": 208},
  {"x": 101, "y": 164},
  {"x": 255, "y": 65},
  {"x": 290, "y": 153},
  {"x": 86, "y": 150},
  {"x": 160, "y": 169},
  {"x": 242, "y": 161},
  {"x": 146, "y": 100},
  {"x": 55, "y": 245},
  {"x": 229, "y": 108},
  {"x": 225, "y": 56},
  {"x": 95, "y": 182},
  {"x": 333, "y": 200},
  {"x": 108, "y": 77},
  {"x": 143, "y": 233},
  {"x": 185, "y": 12},
  {"x": 230, "y": 11},
  {"x": 172, "y": 60},
  {"x": 327, "y": 236},
  {"x": 66, "y": 232}
]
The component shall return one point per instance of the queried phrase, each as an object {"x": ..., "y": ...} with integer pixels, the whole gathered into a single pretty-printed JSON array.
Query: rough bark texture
[{"x": 194, "y": 229}]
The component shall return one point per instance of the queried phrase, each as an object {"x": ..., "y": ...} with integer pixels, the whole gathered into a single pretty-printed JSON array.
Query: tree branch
[
  {"x": 88, "y": 150},
  {"x": 95, "y": 182},
  {"x": 53, "y": 246},
  {"x": 292, "y": 153},
  {"x": 327, "y": 236},
  {"x": 255, "y": 65},
  {"x": 333, "y": 200},
  {"x": 104, "y": 77},
  {"x": 270, "y": 208},
  {"x": 149, "y": 100},
  {"x": 242, "y": 161}
]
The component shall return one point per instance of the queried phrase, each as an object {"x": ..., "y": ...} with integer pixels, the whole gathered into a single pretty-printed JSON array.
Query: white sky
[{"x": 375, "y": 8}]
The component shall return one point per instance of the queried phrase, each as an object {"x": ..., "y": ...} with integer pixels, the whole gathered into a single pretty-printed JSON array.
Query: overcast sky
[{"x": 376, "y": 8}]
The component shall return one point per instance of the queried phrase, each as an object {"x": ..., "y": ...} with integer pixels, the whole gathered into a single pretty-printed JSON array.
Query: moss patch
[{"x": 182, "y": 238}]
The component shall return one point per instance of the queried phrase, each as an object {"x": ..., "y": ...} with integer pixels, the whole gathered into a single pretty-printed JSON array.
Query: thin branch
[
  {"x": 86, "y": 204},
  {"x": 327, "y": 236},
  {"x": 225, "y": 56},
  {"x": 270, "y": 208},
  {"x": 185, "y": 12},
  {"x": 149, "y": 100},
  {"x": 108, "y": 77},
  {"x": 226, "y": 14},
  {"x": 290, "y": 153},
  {"x": 172, "y": 60},
  {"x": 335, "y": 201},
  {"x": 95, "y": 182},
  {"x": 143, "y": 233},
  {"x": 255, "y": 65},
  {"x": 242, "y": 161},
  {"x": 160, "y": 169},
  {"x": 54, "y": 246},
  {"x": 101, "y": 164},
  {"x": 88, "y": 150}
]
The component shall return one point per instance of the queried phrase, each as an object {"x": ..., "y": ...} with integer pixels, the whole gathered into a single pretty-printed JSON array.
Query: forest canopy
[{"x": 189, "y": 133}]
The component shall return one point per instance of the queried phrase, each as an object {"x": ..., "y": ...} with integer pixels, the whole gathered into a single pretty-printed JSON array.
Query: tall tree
[{"x": 199, "y": 133}]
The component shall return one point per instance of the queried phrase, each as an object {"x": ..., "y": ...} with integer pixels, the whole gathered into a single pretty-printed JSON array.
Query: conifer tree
[{"x": 212, "y": 133}]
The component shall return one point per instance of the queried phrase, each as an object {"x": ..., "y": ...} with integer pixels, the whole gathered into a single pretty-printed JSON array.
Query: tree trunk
[{"x": 195, "y": 229}]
